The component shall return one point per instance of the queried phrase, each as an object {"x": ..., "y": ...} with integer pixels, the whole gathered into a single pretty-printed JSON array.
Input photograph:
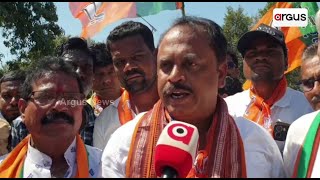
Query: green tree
[
  {"x": 33, "y": 57},
  {"x": 29, "y": 30},
  {"x": 236, "y": 23}
]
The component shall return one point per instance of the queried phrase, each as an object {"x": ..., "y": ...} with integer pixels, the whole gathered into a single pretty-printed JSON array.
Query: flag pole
[
  {"x": 183, "y": 11},
  {"x": 152, "y": 28}
]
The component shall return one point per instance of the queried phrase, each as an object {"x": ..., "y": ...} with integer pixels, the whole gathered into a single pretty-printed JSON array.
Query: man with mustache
[
  {"x": 76, "y": 53},
  {"x": 191, "y": 66},
  {"x": 54, "y": 147},
  {"x": 301, "y": 154},
  {"x": 133, "y": 54},
  {"x": 9, "y": 97},
  {"x": 269, "y": 101},
  {"x": 106, "y": 86}
]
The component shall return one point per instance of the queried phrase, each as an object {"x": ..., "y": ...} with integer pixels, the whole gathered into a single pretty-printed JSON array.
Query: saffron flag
[
  {"x": 95, "y": 16},
  {"x": 296, "y": 38}
]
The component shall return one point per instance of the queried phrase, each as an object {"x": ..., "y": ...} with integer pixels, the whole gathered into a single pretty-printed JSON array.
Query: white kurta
[
  {"x": 287, "y": 109},
  {"x": 105, "y": 124},
  {"x": 262, "y": 159},
  {"x": 295, "y": 139},
  {"x": 38, "y": 164}
]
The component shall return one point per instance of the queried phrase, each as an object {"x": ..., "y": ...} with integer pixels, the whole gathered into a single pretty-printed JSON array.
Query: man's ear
[
  {"x": 222, "y": 70},
  {"x": 22, "y": 104}
]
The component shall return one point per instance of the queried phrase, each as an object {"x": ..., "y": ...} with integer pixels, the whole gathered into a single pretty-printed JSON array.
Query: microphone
[{"x": 176, "y": 150}]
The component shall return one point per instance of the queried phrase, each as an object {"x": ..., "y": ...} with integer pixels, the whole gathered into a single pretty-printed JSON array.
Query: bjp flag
[
  {"x": 296, "y": 38},
  {"x": 95, "y": 16}
]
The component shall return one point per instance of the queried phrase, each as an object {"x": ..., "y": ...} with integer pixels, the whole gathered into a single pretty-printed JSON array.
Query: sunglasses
[
  {"x": 308, "y": 84},
  {"x": 231, "y": 65}
]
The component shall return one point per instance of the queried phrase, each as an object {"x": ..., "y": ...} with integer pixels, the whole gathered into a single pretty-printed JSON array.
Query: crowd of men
[{"x": 98, "y": 111}]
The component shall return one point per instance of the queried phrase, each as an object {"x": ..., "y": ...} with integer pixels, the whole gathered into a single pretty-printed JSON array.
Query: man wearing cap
[{"x": 268, "y": 102}]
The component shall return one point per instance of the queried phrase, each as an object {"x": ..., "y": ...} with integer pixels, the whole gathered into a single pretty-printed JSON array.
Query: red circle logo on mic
[{"x": 180, "y": 132}]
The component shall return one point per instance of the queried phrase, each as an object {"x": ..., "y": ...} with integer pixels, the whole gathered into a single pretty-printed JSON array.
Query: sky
[{"x": 212, "y": 10}]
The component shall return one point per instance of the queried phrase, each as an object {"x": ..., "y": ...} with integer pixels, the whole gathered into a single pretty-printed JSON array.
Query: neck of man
[
  {"x": 142, "y": 102},
  {"x": 203, "y": 129},
  {"x": 203, "y": 125},
  {"x": 53, "y": 147},
  {"x": 109, "y": 96},
  {"x": 265, "y": 89}
]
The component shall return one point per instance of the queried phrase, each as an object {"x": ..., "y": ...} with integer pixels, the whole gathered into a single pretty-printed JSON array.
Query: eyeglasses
[
  {"x": 308, "y": 84},
  {"x": 231, "y": 65},
  {"x": 45, "y": 98}
]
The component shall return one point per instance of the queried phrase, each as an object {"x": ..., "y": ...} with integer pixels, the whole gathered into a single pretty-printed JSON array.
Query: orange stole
[
  {"x": 124, "y": 110},
  {"x": 259, "y": 110},
  {"x": 12, "y": 165},
  {"x": 224, "y": 145}
]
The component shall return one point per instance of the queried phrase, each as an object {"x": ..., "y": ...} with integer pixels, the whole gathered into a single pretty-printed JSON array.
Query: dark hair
[
  {"x": 47, "y": 66},
  {"x": 15, "y": 75},
  {"x": 233, "y": 56},
  {"x": 102, "y": 57},
  {"x": 131, "y": 28},
  {"x": 310, "y": 52},
  {"x": 216, "y": 39},
  {"x": 75, "y": 44}
]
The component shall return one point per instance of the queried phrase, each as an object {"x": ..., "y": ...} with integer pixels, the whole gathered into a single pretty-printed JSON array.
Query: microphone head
[{"x": 176, "y": 148}]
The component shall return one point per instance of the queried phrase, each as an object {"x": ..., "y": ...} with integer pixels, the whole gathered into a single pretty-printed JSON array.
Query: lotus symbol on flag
[{"x": 91, "y": 11}]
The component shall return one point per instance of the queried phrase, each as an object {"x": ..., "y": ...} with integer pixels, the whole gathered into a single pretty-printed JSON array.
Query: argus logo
[{"x": 290, "y": 17}]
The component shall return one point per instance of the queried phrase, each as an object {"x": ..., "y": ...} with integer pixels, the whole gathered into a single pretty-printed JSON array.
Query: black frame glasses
[
  {"x": 307, "y": 85},
  {"x": 48, "y": 98}
]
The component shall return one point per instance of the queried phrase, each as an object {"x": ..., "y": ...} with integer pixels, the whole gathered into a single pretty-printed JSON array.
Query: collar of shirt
[
  {"x": 38, "y": 164},
  {"x": 282, "y": 102},
  {"x": 1, "y": 116},
  {"x": 116, "y": 103},
  {"x": 285, "y": 100}
]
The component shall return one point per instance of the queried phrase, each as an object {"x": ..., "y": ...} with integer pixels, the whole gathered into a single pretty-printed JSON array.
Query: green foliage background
[{"x": 31, "y": 31}]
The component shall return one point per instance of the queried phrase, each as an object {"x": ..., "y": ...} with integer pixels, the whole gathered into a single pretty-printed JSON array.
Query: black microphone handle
[{"x": 169, "y": 172}]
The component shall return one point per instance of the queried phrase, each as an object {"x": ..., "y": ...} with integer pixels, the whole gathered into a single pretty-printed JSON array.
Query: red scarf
[{"x": 223, "y": 156}]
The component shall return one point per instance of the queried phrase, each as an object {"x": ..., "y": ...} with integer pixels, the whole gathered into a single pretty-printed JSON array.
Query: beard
[
  {"x": 139, "y": 85},
  {"x": 265, "y": 76}
]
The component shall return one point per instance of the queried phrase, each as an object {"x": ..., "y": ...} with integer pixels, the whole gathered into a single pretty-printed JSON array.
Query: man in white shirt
[
  {"x": 133, "y": 54},
  {"x": 191, "y": 66},
  {"x": 268, "y": 101},
  {"x": 301, "y": 152},
  {"x": 51, "y": 108}
]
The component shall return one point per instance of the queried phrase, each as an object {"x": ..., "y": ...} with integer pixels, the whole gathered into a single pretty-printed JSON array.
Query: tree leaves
[
  {"x": 236, "y": 23},
  {"x": 29, "y": 27}
]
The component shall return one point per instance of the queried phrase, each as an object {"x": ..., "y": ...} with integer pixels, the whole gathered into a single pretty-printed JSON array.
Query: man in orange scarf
[
  {"x": 268, "y": 102},
  {"x": 51, "y": 108},
  {"x": 191, "y": 66},
  {"x": 134, "y": 58}
]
